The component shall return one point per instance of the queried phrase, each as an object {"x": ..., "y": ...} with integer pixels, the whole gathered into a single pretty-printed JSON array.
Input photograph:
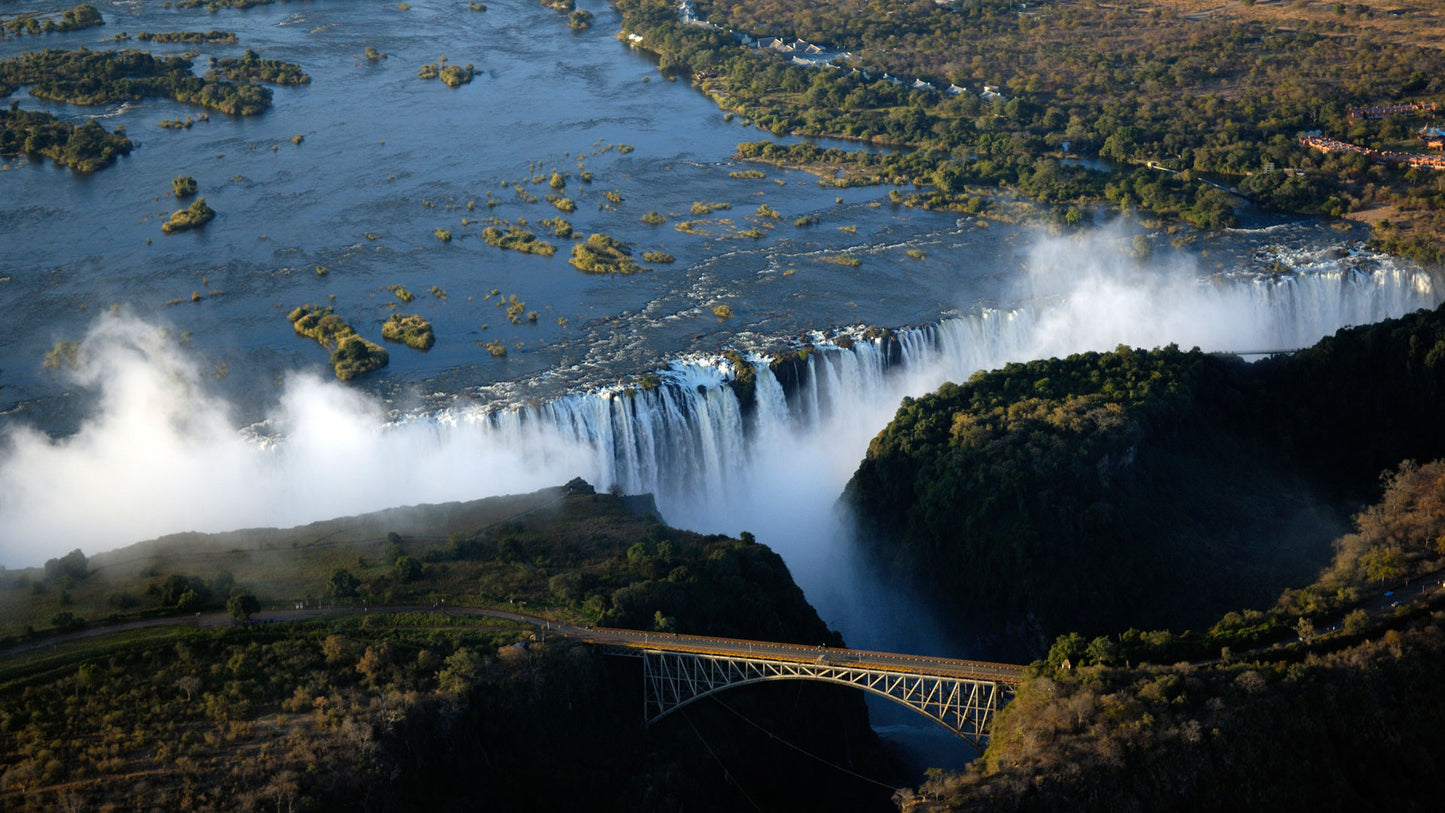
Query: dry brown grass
[{"x": 1411, "y": 22}]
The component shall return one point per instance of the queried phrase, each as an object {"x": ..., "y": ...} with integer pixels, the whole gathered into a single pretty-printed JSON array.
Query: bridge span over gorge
[{"x": 677, "y": 669}]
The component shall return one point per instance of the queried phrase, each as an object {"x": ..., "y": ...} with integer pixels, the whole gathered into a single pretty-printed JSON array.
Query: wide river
[{"x": 195, "y": 407}]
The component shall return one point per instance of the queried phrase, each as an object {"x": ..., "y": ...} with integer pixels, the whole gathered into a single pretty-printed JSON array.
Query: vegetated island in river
[
  {"x": 102, "y": 77},
  {"x": 409, "y": 329},
  {"x": 602, "y": 254},
  {"x": 1188, "y": 110},
  {"x": 362, "y": 706},
  {"x": 84, "y": 148},
  {"x": 1144, "y": 488},
  {"x": 212, "y": 37},
  {"x": 192, "y": 217},
  {"x": 351, "y": 355},
  {"x": 250, "y": 67},
  {"x": 76, "y": 19}
]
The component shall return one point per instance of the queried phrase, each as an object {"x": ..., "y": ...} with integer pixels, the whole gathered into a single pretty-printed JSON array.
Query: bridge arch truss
[{"x": 964, "y": 705}]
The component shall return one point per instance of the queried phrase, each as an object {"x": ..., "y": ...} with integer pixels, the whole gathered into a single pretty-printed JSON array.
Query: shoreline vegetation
[{"x": 1178, "y": 113}]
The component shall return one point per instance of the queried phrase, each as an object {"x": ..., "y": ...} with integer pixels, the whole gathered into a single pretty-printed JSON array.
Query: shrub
[
  {"x": 183, "y": 186},
  {"x": 194, "y": 216},
  {"x": 409, "y": 329}
]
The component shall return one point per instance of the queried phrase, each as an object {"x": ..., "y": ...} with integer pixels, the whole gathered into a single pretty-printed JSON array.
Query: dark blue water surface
[{"x": 387, "y": 153}]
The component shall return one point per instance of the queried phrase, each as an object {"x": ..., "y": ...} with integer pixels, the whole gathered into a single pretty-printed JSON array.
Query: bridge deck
[{"x": 1007, "y": 674}]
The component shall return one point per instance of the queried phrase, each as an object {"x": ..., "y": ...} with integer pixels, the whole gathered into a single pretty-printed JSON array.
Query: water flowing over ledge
[
  {"x": 697, "y": 435},
  {"x": 726, "y": 442}
]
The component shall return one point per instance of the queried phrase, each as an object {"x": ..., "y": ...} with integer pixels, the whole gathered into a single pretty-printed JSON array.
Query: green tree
[
  {"x": 462, "y": 669},
  {"x": 343, "y": 584},
  {"x": 189, "y": 602},
  {"x": 1357, "y": 621},
  {"x": 1069, "y": 647},
  {"x": 66, "y": 622},
  {"x": 1382, "y": 564},
  {"x": 73, "y": 564},
  {"x": 241, "y": 605},
  {"x": 407, "y": 569}
]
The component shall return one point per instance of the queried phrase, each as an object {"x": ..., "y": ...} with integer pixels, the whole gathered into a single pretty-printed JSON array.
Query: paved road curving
[{"x": 597, "y": 636}]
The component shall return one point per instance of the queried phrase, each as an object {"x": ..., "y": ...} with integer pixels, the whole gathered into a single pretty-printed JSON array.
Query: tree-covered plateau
[
  {"x": 1144, "y": 488},
  {"x": 422, "y": 709}
]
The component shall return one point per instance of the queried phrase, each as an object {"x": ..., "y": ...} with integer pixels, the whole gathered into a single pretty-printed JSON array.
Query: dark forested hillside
[
  {"x": 1145, "y": 488},
  {"x": 1341, "y": 712},
  {"x": 418, "y": 709}
]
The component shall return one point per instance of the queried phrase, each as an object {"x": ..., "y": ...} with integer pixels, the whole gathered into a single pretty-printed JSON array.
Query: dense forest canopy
[
  {"x": 101, "y": 77},
  {"x": 1342, "y": 712},
  {"x": 419, "y": 709},
  {"x": 1163, "y": 95},
  {"x": 1145, "y": 488}
]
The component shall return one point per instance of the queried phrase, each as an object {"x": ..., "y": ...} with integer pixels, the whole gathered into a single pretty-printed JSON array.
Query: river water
[{"x": 211, "y": 414}]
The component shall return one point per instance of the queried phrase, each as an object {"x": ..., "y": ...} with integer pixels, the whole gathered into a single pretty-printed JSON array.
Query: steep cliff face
[
  {"x": 1330, "y": 699},
  {"x": 1144, "y": 488}
]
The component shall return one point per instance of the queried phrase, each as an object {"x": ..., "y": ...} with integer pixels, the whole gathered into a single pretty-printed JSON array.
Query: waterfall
[
  {"x": 708, "y": 455},
  {"x": 761, "y": 442}
]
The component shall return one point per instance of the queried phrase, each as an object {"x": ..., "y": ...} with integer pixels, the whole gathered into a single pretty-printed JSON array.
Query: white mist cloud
[
  {"x": 161, "y": 455},
  {"x": 1089, "y": 293}
]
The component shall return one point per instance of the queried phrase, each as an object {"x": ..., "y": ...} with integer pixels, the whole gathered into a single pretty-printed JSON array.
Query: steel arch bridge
[{"x": 965, "y": 705}]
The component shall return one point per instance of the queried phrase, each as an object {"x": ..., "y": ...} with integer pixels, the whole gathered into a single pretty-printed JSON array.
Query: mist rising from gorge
[{"x": 160, "y": 453}]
